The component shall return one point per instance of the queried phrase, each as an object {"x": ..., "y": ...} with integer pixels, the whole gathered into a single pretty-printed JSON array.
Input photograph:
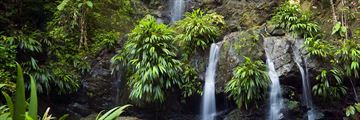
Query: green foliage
[
  {"x": 291, "y": 18},
  {"x": 249, "y": 83},
  {"x": 347, "y": 58},
  {"x": 18, "y": 111},
  {"x": 112, "y": 114},
  {"x": 339, "y": 29},
  {"x": 19, "y": 107},
  {"x": 149, "y": 54},
  {"x": 197, "y": 30},
  {"x": 352, "y": 110},
  {"x": 190, "y": 82},
  {"x": 330, "y": 85},
  {"x": 318, "y": 47},
  {"x": 33, "y": 106},
  {"x": 7, "y": 58}
]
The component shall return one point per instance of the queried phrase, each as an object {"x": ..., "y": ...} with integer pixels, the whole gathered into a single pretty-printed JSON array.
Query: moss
[{"x": 249, "y": 44}]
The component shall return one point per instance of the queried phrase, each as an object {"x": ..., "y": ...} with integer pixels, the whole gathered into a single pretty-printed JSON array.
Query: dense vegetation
[
  {"x": 152, "y": 57},
  {"x": 56, "y": 43},
  {"x": 250, "y": 79}
]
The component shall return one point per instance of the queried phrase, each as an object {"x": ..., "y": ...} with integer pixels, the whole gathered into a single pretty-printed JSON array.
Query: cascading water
[
  {"x": 307, "y": 100},
  {"x": 276, "y": 101},
  {"x": 177, "y": 9},
  {"x": 208, "y": 104}
]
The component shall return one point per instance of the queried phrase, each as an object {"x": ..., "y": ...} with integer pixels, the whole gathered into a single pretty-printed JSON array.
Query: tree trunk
[
  {"x": 333, "y": 11},
  {"x": 354, "y": 89}
]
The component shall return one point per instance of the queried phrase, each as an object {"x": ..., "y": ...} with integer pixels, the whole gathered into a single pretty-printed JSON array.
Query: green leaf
[
  {"x": 90, "y": 4},
  {"x": 62, "y": 4},
  {"x": 20, "y": 104},
  {"x": 336, "y": 28},
  {"x": 116, "y": 113},
  {"x": 9, "y": 103},
  {"x": 5, "y": 116},
  {"x": 2, "y": 85},
  {"x": 64, "y": 117},
  {"x": 112, "y": 114},
  {"x": 33, "y": 107}
]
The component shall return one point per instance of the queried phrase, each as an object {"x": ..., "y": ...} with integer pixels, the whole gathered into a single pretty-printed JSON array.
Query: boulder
[{"x": 234, "y": 47}]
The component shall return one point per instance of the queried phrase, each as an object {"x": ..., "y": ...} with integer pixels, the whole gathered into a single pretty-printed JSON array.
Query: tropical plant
[
  {"x": 353, "y": 110},
  {"x": 330, "y": 84},
  {"x": 319, "y": 48},
  {"x": 112, "y": 114},
  {"x": 17, "y": 111},
  {"x": 347, "y": 59},
  {"x": 249, "y": 83},
  {"x": 291, "y": 18},
  {"x": 197, "y": 30},
  {"x": 339, "y": 30},
  {"x": 149, "y": 54},
  {"x": 8, "y": 55},
  {"x": 190, "y": 82}
]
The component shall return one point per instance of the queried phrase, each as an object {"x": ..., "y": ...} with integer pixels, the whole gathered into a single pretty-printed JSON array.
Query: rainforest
[{"x": 179, "y": 59}]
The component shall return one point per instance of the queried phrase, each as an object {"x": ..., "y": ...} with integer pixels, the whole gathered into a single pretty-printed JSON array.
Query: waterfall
[
  {"x": 208, "y": 104},
  {"x": 276, "y": 101},
  {"x": 307, "y": 100},
  {"x": 177, "y": 8}
]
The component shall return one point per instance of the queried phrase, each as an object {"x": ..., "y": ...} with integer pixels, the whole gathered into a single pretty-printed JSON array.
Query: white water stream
[{"x": 208, "y": 103}]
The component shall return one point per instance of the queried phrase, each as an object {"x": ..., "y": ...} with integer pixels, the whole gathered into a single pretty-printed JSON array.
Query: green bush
[
  {"x": 330, "y": 85},
  {"x": 291, "y": 18},
  {"x": 249, "y": 83},
  {"x": 197, "y": 30},
  {"x": 190, "y": 82},
  {"x": 150, "y": 56}
]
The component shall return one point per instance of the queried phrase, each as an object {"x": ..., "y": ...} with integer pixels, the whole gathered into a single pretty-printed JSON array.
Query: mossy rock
[{"x": 235, "y": 46}]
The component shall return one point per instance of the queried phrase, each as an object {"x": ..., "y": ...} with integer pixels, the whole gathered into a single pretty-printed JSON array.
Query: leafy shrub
[
  {"x": 291, "y": 18},
  {"x": 347, "y": 58},
  {"x": 249, "y": 83},
  {"x": 318, "y": 47},
  {"x": 7, "y": 58},
  {"x": 18, "y": 111},
  {"x": 190, "y": 82},
  {"x": 197, "y": 30},
  {"x": 149, "y": 53},
  {"x": 330, "y": 85}
]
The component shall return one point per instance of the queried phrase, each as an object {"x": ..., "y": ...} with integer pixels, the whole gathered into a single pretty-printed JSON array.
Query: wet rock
[
  {"x": 278, "y": 32},
  {"x": 280, "y": 50},
  {"x": 244, "y": 14},
  {"x": 236, "y": 46},
  {"x": 103, "y": 89},
  {"x": 254, "y": 114},
  {"x": 81, "y": 109}
]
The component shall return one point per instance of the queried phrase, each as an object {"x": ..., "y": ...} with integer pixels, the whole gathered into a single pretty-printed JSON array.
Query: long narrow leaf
[
  {"x": 33, "y": 100},
  {"x": 9, "y": 103},
  {"x": 64, "y": 117},
  {"x": 116, "y": 113},
  {"x": 2, "y": 85},
  {"x": 19, "y": 113},
  {"x": 107, "y": 113}
]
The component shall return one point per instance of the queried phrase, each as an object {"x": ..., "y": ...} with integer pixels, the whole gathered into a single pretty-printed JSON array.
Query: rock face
[
  {"x": 281, "y": 53},
  {"x": 101, "y": 86},
  {"x": 236, "y": 46}
]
